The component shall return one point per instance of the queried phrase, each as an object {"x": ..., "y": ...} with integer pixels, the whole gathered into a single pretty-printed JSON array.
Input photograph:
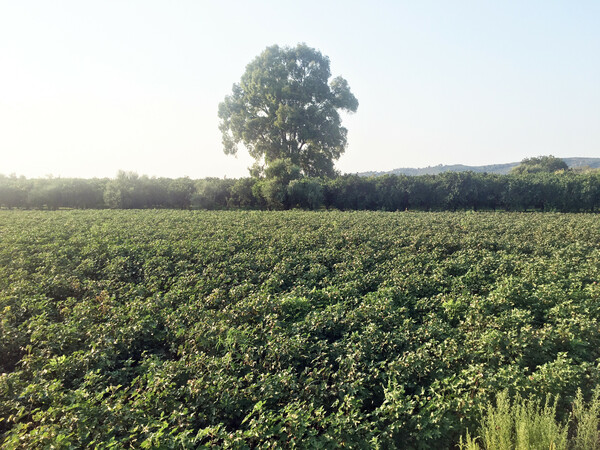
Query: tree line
[{"x": 285, "y": 189}]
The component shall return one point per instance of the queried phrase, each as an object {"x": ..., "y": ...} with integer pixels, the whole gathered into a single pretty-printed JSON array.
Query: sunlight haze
[{"x": 88, "y": 88}]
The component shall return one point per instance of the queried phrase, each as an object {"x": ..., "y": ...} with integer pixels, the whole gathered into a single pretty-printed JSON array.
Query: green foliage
[
  {"x": 121, "y": 192},
  {"x": 284, "y": 107},
  {"x": 273, "y": 190},
  {"x": 526, "y": 424},
  {"x": 538, "y": 164},
  {"x": 306, "y": 193},
  {"x": 498, "y": 427},
  {"x": 248, "y": 329},
  {"x": 241, "y": 193},
  {"x": 211, "y": 193},
  {"x": 560, "y": 191},
  {"x": 586, "y": 417}
]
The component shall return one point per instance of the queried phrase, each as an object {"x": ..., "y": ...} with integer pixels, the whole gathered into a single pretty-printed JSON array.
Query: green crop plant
[{"x": 184, "y": 329}]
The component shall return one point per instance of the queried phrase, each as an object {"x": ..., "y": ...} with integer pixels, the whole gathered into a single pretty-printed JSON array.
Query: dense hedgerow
[
  {"x": 288, "y": 329},
  {"x": 451, "y": 191}
]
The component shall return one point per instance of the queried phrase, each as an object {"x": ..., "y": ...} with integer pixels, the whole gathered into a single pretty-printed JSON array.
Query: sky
[{"x": 88, "y": 88}]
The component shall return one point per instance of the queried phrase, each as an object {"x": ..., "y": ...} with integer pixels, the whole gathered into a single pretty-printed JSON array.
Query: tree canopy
[
  {"x": 541, "y": 164},
  {"x": 285, "y": 107}
]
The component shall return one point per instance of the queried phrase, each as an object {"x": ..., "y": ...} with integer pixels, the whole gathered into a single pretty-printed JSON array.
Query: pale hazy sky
[{"x": 88, "y": 88}]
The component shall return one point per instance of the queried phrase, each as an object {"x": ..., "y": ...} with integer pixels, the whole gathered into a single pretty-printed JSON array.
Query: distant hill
[{"x": 593, "y": 163}]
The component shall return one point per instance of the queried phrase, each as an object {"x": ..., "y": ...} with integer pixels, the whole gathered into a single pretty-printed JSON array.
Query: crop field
[{"x": 180, "y": 329}]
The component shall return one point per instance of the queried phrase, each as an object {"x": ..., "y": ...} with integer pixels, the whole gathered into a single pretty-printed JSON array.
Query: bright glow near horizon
[{"x": 88, "y": 88}]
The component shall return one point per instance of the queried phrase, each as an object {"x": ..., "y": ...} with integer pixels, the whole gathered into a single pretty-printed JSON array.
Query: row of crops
[{"x": 178, "y": 329}]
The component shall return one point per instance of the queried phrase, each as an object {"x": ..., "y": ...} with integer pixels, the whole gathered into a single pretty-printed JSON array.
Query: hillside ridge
[{"x": 501, "y": 169}]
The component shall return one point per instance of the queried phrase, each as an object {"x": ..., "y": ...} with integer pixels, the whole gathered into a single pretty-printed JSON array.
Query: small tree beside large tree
[{"x": 285, "y": 108}]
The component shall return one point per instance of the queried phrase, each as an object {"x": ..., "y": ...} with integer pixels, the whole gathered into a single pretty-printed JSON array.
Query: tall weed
[
  {"x": 587, "y": 421},
  {"x": 526, "y": 424}
]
